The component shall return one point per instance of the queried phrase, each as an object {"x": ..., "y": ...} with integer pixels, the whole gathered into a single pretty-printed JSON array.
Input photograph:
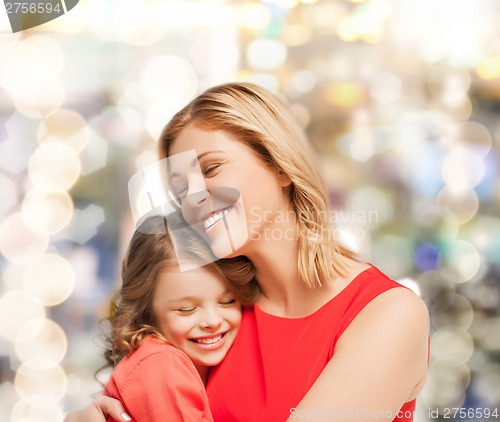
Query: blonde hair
[
  {"x": 151, "y": 251},
  {"x": 267, "y": 125}
]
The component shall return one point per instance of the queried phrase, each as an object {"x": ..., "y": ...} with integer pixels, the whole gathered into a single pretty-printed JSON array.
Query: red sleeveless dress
[{"x": 274, "y": 361}]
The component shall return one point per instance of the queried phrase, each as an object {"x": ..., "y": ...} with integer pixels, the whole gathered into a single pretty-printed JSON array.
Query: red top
[
  {"x": 274, "y": 361},
  {"x": 159, "y": 383}
]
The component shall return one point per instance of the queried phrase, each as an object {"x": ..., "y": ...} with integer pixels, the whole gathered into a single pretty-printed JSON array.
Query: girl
[
  {"x": 168, "y": 328},
  {"x": 329, "y": 337}
]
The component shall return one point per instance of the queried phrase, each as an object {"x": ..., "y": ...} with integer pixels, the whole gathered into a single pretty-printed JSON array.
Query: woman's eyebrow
[{"x": 195, "y": 160}]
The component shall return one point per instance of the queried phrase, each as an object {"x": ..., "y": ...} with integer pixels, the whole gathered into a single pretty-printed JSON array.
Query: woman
[{"x": 329, "y": 337}]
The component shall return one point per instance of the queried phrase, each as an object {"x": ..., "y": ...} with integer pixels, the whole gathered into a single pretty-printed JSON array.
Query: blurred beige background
[{"x": 400, "y": 98}]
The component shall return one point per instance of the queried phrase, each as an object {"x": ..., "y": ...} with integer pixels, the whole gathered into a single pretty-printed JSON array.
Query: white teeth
[
  {"x": 210, "y": 221},
  {"x": 208, "y": 340}
]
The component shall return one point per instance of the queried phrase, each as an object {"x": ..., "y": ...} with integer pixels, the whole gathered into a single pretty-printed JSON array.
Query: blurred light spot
[
  {"x": 178, "y": 88},
  {"x": 486, "y": 297},
  {"x": 66, "y": 126},
  {"x": 462, "y": 169},
  {"x": 474, "y": 137},
  {"x": 95, "y": 154},
  {"x": 41, "y": 380},
  {"x": 158, "y": 115},
  {"x": 451, "y": 83},
  {"x": 286, "y": 4},
  {"x": 46, "y": 213},
  {"x": 365, "y": 23},
  {"x": 120, "y": 125},
  {"x": 41, "y": 338},
  {"x": 30, "y": 409},
  {"x": 436, "y": 283},
  {"x": 83, "y": 225},
  {"x": 487, "y": 387},
  {"x": 265, "y": 80},
  {"x": 216, "y": 54},
  {"x": 362, "y": 137},
  {"x": 393, "y": 254},
  {"x": 301, "y": 82},
  {"x": 139, "y": 23},
  {"x": 34, "y": 52},
  {"x": 437, "y": 225},
  {"x": 296, "y": 34},
  {"x": 50, "y": 279},
  {"x": 18, "y": 243},
  {"x": 451, "y": 312},
  {"x": 426, "y": 256},
  {"x": 489, "y": 67},
  {"x": 450, "y": 118},
  {"x": 254, "y": 16},
  {"x": 366, "y": 207},
  {"x": 41, "y": 101},
  {"x": 489, "y": 338},
  {"x": 16, "y": 149},
  {"x": 54, "y": 167},
  {"x": 484, "y": 233},
  {"x": 9, "y": 194},
  {"x": 463, "y": 259},
  {"x": 345, "y": 94},
  {"x": 266, "y": 54},
  {"x": 445, "y": 385},
  {"x": 386, "y": 88},
  {"x": 452, "y": 345},
  {"x": 463, "y": 203},
  {"x": 16, "y": 309}
]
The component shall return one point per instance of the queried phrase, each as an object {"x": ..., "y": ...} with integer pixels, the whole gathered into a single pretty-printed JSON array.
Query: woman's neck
[{"x": 275, "y": 260}]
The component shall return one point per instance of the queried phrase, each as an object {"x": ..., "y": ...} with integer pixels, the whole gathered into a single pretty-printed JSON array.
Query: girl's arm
[
  {"x": 380, "y": 362},
  {"x": 161, "y": 386},
  {"x": 165, "y": 386}
]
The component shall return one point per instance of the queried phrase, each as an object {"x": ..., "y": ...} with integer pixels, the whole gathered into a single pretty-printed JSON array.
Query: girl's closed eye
[
  {"x": 186, "y": 311},
  {"x": 228, "y": 302}
]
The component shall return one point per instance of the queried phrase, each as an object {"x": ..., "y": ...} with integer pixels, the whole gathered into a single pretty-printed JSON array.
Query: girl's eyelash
[
  {"x": 186, "y": 311},
  {"x": 228, "y": 302}
]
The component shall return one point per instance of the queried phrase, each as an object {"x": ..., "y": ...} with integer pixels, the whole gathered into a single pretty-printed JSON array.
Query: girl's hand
[{"x": 98, "y": 410}]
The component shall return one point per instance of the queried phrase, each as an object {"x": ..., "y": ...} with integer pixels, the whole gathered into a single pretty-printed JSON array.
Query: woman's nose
[{"x": 197, "y": 192}]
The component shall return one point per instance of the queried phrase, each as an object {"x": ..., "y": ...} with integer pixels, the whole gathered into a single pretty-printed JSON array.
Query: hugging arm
[
  {"x": 96, "y": 411},
  {"x": 380, "y": 362}
]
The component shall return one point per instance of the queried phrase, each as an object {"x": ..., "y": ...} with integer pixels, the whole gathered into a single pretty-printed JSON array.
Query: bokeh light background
[{"x": 401, "y": 99}]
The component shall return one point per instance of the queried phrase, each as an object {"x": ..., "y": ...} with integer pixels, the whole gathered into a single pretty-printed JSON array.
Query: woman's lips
[{"x": 215, "y": 217}]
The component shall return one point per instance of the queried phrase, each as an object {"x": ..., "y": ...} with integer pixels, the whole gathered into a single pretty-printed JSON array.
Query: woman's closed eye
[{"x": 212, "y": 169}]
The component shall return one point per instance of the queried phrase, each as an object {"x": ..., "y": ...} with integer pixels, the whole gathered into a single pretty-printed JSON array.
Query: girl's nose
[{"x": 211, "y": 319}]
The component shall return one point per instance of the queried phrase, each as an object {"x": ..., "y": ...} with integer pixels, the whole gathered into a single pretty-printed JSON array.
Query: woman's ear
[{"x": 284, "y": 179}]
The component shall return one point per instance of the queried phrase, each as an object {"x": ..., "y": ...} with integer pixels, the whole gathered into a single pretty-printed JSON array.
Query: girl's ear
[{"x": 284, "y": 179}]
